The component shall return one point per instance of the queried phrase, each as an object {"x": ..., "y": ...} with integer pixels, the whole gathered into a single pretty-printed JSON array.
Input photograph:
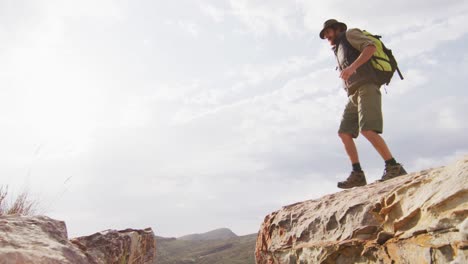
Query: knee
[
  {"x": 368, "y": 133},
  {"x": 345, "y": 137}
]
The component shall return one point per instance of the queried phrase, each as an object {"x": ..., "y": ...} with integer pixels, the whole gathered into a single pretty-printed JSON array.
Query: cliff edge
[{"x": 417, "y": 218}]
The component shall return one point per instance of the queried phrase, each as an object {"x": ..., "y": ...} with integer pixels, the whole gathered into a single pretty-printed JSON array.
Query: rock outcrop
[
  {"x": 37, "y": 239},
  {"x": 41, "y": 240},
  {"x": 417, "y": 218},
  {"x": 125, "y": 246}
]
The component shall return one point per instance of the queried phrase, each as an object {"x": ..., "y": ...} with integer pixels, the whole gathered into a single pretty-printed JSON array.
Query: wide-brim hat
[{"x": 330, "y": 23}]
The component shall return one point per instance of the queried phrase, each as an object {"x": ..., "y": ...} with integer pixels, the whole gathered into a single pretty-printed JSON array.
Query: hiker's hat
[{"x": 330, "y": 23}]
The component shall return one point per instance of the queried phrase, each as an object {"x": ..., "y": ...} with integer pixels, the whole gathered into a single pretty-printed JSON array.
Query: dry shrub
[{"x": 21, "y": 205}]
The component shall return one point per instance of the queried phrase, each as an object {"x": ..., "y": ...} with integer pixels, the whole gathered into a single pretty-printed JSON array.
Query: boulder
[
  {"x": 124, "y": 246},
  {"x": 36, "y": 239},
  {"x": 42, "y": 240},
  {"x": 417, "y": 218}
]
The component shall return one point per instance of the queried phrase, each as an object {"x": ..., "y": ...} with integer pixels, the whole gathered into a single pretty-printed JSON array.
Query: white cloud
[
  {"x": 448, "y": 119},
  {"x": 203, "y": 101},
  {"x": 261, "y": 17},
  {"x": 188, "y": 27},
  {"x": 217, "y": 14},
  {"x": 398, "y": 17},
  {"x": 422, "y": 163},
  {"x": 256, "y": 74},
  {"x": 421, "y": 19},
  {"x": 413, "y": 79},
  {"x": 87, "y": 8},
  {"x": 414, "y": 43}
]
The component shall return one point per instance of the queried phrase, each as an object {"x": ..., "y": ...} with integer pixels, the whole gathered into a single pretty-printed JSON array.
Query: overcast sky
[{"x": 186, "y": 116}]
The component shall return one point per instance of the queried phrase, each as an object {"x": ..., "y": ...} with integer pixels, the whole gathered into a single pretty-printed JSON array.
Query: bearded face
[{"x": 331, "y": 34}]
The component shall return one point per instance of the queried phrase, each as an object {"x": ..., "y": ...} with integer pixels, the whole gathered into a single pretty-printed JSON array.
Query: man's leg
[
  {"x": 371, "y": 125},
  {"x": 369, "y": 103},
  {"x": 379, "y": 144},
  {"x": 350, "y": 147},
  {"x": 349, "y": 129}
]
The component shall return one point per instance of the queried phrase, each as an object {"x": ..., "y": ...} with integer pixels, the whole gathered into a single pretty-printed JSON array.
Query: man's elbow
[{"x": 371, "y": 49}]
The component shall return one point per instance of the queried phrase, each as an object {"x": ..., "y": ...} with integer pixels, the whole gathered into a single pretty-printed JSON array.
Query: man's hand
[
  {"x": 365, "y": 55},
  {"x": 346, "y": 73}
]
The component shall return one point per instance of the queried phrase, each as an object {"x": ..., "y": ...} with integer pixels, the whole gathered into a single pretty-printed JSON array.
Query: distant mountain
[
  {"x": 233, "y": 250},
  {"x": 217, "y": 234},
  {"x": 160, "y": 238}
]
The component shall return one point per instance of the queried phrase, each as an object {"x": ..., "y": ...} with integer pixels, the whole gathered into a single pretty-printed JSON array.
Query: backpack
[{"x": 383, "y": 61}]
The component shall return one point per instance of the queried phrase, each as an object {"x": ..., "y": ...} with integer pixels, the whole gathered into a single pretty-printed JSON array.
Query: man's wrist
[{"x": 353, "y": 67}]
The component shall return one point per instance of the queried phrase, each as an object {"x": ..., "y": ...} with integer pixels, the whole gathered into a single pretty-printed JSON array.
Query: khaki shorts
[{"x": 363, "y": 111}]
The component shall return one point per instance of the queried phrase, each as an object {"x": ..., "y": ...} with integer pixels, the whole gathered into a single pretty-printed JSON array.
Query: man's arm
[{"x": 365, "y": 55}]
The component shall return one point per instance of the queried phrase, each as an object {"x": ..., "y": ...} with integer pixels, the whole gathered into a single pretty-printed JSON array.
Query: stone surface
[
  {"x": 416, "y": 218},
  {"x": 38, "y": 239},
  {"x": 125, "y": 246},
  {"x": 42, "y": 240}
]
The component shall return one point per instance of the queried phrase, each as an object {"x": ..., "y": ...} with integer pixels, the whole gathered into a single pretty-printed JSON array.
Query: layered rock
[
  {"x": 37, "y": 239},
  {"x": 125, "y": 246},
  {"x": 41, "y": 240},
  {"x": 416, "y": 218}
]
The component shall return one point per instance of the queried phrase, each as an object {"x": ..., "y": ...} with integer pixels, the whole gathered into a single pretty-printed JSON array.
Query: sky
[{"x": 187, "y": 116}]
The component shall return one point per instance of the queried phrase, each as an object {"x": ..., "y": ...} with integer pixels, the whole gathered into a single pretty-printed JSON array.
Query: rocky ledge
[
  {"x": 41, "y": 240},
  {"x": 417, "y": 218}
]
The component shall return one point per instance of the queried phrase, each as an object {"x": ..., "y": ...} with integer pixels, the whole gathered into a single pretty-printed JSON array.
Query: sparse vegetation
[
  {"x": 238, "y": 250},
  {"x": 20, "y": 205}
]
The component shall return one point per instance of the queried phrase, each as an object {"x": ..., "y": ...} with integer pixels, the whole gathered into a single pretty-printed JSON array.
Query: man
[{"x": 363, "y": 112}]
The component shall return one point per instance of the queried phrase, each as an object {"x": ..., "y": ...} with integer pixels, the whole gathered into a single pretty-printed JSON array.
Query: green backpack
[{"x": 383, "y": 61}]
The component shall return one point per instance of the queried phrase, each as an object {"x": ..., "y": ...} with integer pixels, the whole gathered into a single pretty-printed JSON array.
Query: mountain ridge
[
  {"x": 234, "y": 250},
  {"x": 215, "y": 234}
]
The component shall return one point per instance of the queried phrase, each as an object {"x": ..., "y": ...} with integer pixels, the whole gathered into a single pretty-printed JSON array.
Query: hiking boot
[
  {"x": 356, "y": 178},
  {"x": 392, "y": 171}
]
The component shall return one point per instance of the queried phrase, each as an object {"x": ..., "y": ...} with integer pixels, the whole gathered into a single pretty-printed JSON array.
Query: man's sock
[
  {"x": 357, "y": 167},
  {"x": 390, "y": 162}
]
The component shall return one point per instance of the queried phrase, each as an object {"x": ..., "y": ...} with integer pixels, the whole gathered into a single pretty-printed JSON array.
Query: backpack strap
[{"x": 399, "y": 73}]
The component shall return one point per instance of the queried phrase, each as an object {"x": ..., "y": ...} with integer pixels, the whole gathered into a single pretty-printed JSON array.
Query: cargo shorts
[{"x": 363, "y": 111}]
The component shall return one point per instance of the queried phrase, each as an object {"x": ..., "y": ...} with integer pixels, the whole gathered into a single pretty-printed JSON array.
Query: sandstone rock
[
  {"x": 125, "y": 246},
  {"x": 416, "y": 218},
  {"x": 42, "y": 240},
  {"x": 39, "y": 239}
]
